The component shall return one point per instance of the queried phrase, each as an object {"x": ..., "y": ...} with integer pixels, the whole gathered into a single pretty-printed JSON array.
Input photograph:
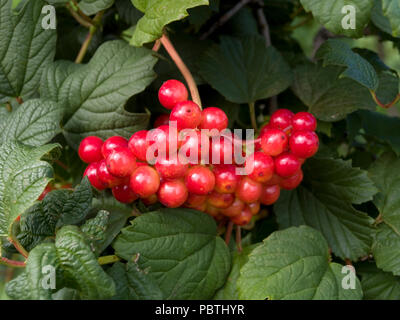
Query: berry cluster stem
[
  {"x": 253, "y": 116},
  {"x": 239, "y": 238},
  {"x": 228, "y": 232},
  {"x": 194, "y": 92},
  {"x": 12, "y": 263},
  {"x": 89, "y": 37}
]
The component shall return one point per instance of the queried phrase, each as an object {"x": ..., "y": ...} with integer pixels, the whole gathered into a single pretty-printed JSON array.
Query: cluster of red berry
[{"x": 213, "y": 186}]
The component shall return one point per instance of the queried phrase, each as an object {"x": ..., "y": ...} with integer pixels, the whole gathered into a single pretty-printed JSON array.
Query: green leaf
[
  {"x": 157, "y": 14},
  {"x": 391, "y": 9},
  {"x": 386, "y": 249},
  {"x": 80, "y": 266},
  {"x": 329, "y": 97},
  {"x": 99, "y": 90},
  {"x": 90, "y": 7},
  {"x": 95, "y": 229},
  {"x": 325, "y": 203},
  {"x": 329, "y": 14},
  {"x": 180, "y": 249},
  {"x": 294, "y": 264},
  {"x": 230, "y": 291},
  {"x": 119, "y": 214},
  {"x": 379, "y": 19},
  {"x": 25, "y": 49},
  {"x": 132, "y": 283},
  {"x": 377, "y": 125},
  {"x": 385, "y": 174},
  {"x": 128, "y": 12},
  {"x": 379, "y": 285},
  {"x": 23, "y": 177},
  {"x": 29, "y": 285},
  {"x": 339, "y": 53},
  {"x": 58, "y": 208},
  {"x": 34, "y": 123},
  {"x": 245, "y": 70}
]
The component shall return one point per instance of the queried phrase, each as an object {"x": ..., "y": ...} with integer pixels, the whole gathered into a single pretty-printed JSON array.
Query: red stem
[{"x": 228, "y": 232}]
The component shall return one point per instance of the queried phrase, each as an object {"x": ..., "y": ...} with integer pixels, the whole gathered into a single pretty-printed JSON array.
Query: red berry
[
  {"x": 254, "y": 208},
  {"x": 212, "y": 211},
  {"x": 90, "y": 149},
  {"x": 164, "y": 136},
  {"x": 171, "y": 167},
  {"x": 161, "y": 120},
  {"x": 195, "y": 200},
  {"x": 281, "y": 119},
  {"x": 138, "y": 144},
  {"x": 286, "y": 165},
  {"x": 248, "y": 190},
  {"x": 304, "y": 121},
  {"x": 121, "y": 162},
  {"x": 192, "y": 147},
  {"x": 145, "y": 181},
  {"x": 172, "y": 193},
  {"x": 123, "y": 193},
  {"x": 292, "y": 182},
  {"x": 259, "y": 167},
  {"x": 171, "y": 93},
  {"x": 243, "y": 218},
  {"x": 200, "y": 180},
  {"x": 226, "y": 179},
  {"x": 221, "y": 150},
  {"x": 270, "y": 194},
  {"x": 92, "y": 173},
  {"x": 201, "y": 207},
  {"x": 106, "y": 177},
  {"x": 304, "y": 144},
  {"x": 234, "y": 209},
  {"x": 214, "y": 118},
  {"x": 274, "y": 142},
  {"x": 111, "y": 143},
  {"x": 150, "y": 200},
  {"x": 220, "y": 200},
  {"x": 187, "y": 115},
  {"x": 274, "y": 180}
]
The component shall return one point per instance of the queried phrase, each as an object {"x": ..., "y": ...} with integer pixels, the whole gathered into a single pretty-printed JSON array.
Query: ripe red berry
[
  {"x": 243, "y": 218},
  {"x": 111, "y": 143},
  {"x": 200, "y": 180},
  {"x": 145, "y": 181},
  {"x": 220, "y": 200},
  {"x": 161, "y": 120},
  {"x": 192, "y": 148},
  {"x": 234, "y": 209},
  {"x": 195, "y": 200},
  {"x": 226, "y": 179},
  {"x": 201, "y": 207},
  {"x": 214, "y": 118},
  {"x": 304, "y": 144},
  {"x": 248, "y": 190},
  {"x": 150, "y": 200},
  {"x": 121, "y": 162},
  {"x": 164, "y": 136},
  {"x": 171, "y": 93},
  {"x": 172, "y": 193},
  {"x": 221, "y": 150},
  {"x": 90, "y": 149},
  {"x": 106, "y": 177},
  {"x": 171, "y": 167},
  {"x": 138, "y": 144},
  {"x": 92, "y": 173},
  {"x": 254, "y": 207},
  {"x": 274, "y": 142},
  {"x": 274, "y": 180},
  {"x": 123, "y": 193},
  {"x": 259, "y": 167},
  {"x": 304, "y": 121},
  {"x": 270, "y": 194},
  {"x": 281, "y": 119},
  {"x": 292, "y": 182},
  {"x": 212, "y": 211},
  {"x": 187, "y": 115},
  {"x": 286, "y": 165}
]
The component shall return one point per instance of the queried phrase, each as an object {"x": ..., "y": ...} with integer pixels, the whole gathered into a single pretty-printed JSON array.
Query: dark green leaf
[
  {"x": 245, "y": 70},
  {"x": 180, "y": 249}
]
